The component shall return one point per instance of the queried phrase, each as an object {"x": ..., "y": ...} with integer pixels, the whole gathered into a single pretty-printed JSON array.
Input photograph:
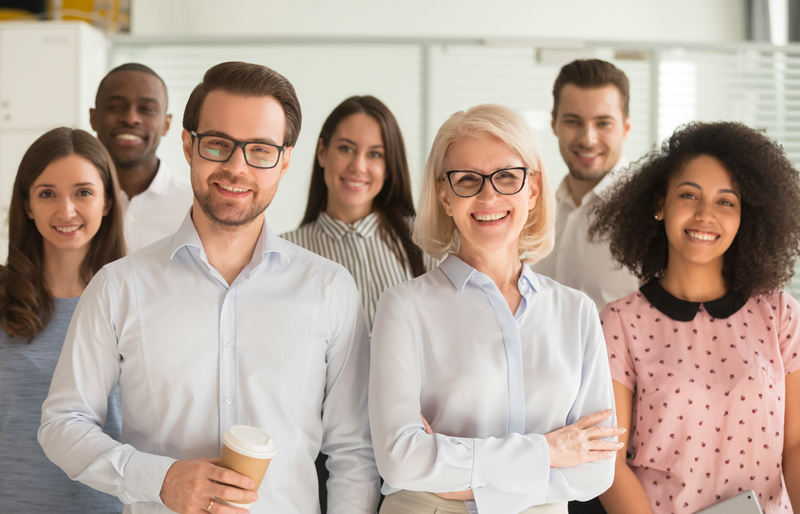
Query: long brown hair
[
  {"x": 393, "y": 203},
  {"x": 25, "y": 305}
]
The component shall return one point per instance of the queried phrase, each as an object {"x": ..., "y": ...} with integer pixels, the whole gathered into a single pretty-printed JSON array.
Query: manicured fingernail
[
  {"x": 623, "y": 429},
  {"x": 620, "y": 445}
]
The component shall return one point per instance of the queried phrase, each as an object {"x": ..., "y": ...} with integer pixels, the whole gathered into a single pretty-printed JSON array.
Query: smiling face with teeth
[
  {"x": 355, "y": 168},
  {"x": 488, "y": 222},
  {"x": 67, "y": 204},
  {"x": 233, "y": 194},
  {"x": 701, "y": 213},
  {"x": 130, "y": 117},
  {"x": 590, "y": 127}
]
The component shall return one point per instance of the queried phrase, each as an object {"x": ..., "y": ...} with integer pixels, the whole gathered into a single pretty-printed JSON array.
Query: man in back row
[
  {"x": 130, "y": 117},
  {"x": 223, "y": 323},
  {"x": 591, "y": 120}
]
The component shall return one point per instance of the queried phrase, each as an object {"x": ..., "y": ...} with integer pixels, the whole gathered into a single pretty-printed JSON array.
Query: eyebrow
[
  {"x": 146, "y": 99},
  {"x": 79, "y": 184},
  {"x": 604, "y": 117},
  {"x": 356, "y": 144},
  {"x": 697, "y": 186},
  {"x": 267, "y": 140}
]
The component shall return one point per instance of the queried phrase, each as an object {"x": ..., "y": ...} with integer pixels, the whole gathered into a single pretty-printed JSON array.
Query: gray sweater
[{"x": 28, "y": 480}]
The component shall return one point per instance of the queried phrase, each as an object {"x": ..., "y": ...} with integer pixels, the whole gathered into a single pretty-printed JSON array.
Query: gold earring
[{"x": 657, "y": 218}]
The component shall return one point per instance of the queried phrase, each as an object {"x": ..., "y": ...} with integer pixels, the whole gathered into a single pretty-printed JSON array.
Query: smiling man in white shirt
[
  {"x": 222, "y": 324},
  {"x": 130, "y": 117},
  {"x": 591, "y": 121}
]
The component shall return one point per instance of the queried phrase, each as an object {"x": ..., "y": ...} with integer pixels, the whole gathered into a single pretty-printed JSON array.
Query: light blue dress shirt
[
  {"x": 283, "y": 348},
  {"x": 490, "y": 383}
]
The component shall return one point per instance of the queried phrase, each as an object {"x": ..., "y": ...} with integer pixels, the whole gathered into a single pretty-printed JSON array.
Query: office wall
[{"x": 611, "y": 20}]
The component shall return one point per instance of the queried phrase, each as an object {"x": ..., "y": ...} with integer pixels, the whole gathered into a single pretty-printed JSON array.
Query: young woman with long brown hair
[
  {"x": 65, "y": 223},
  {"x": 359, "y": 202}
]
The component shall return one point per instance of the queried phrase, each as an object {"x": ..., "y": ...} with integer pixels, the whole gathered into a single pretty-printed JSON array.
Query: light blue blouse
[{"x": 490, "y": 383}]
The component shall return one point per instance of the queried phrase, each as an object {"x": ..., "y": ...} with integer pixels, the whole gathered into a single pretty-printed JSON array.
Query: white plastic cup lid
[{"x": 250, "y": 441}]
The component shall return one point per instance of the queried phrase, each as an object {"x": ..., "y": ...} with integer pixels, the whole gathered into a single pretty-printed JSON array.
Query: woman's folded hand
[{"x": 581, "y": 442}]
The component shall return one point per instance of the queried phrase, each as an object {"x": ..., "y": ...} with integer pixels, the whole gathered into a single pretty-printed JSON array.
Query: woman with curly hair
[
  {"x": 703, "y": 355},
  {"x": 65, "y": 223}
]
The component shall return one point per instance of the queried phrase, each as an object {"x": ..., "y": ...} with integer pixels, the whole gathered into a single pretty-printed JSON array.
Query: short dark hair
[
  {"x": 592, "y": 73},
  {"x": 130, "y": 66},
  {"x": 251, "y": 80},
  {"x": 393, "y": 202},
  {"x": 761, "y": 258}
]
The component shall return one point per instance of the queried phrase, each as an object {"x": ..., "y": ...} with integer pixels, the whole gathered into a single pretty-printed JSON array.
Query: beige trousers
[{"x": 413, "y": 502}]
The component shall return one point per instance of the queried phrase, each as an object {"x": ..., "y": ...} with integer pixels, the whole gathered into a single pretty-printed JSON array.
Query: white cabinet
[{"x": 49, "y": 72}]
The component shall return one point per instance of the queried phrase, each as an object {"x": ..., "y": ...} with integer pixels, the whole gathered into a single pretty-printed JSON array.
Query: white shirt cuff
[{"x": 144, "y": 476}]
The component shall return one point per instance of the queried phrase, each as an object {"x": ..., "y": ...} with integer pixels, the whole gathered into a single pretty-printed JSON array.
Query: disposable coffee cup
[{"x": 247, "y": 451}]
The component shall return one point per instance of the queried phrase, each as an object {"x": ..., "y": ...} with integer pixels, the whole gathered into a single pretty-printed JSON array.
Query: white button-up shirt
[
  {"x": 283, "y": 348},
  {"x": 490, "y": 383},
  {"x": 156, "y": 212},
  {"x": 575, "y": 262}
]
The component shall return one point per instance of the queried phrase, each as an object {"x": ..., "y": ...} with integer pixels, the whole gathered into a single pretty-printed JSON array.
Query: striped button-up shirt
[{"x": 360, "y": 248}]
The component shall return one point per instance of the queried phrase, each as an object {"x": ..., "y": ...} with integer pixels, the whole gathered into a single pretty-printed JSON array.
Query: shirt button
[
  {"x": 229, "y": 400},
  {"x": 228, "y": 346}
]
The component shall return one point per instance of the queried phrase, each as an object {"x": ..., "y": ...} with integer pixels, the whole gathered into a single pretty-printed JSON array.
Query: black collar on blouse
[{"x": 681, "y": 310}]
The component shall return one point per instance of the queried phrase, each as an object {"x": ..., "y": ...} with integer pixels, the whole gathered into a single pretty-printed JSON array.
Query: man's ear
[
  {"x": 92, "y": 114},
  {"x": 627, "y": 128},
  {"x": 167, "y": 123},
  {"x": 188, "y": 143},
  {"x": 287, "y": 156}
]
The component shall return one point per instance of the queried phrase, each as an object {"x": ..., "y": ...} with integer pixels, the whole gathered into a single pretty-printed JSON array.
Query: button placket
[{"x": 228, "y": 362}]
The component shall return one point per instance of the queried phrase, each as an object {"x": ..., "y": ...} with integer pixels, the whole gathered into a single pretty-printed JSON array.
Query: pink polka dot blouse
[{"x": 708, "y": 399}]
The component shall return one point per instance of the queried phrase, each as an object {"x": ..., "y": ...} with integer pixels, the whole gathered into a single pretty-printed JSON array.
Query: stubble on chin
[
  {"x": 214, "y": 208},
  {"x": 588, "y": 176}
]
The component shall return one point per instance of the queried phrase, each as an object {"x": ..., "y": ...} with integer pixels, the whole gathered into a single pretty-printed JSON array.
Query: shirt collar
[
  {"x": 682, "y": 310},
  {"x": 160, "y": 183},
  {"x": 335, "y": 229},
  {"x": 611, "y": 178},
  {"x": 563, "y": 193},
  {"x": 268, "y": 242},
  {"x": 459, "y": 273}
]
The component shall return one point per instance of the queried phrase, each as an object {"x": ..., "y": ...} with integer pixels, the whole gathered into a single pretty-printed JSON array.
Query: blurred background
[{"x": 686, "y": 59}]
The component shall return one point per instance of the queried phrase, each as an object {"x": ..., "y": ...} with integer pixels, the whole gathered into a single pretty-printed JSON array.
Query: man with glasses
[
  {"x": 130, "y": 117},
  {"x": 591, "y": 121},
  {"x": 220, "y": 325}
]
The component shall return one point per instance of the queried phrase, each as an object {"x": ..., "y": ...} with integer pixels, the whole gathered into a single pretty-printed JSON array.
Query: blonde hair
[{"x": 436, "y": 232}]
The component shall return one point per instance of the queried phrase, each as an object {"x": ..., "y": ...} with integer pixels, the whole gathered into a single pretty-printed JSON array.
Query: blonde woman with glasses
[{"x": 490, "y": 389}]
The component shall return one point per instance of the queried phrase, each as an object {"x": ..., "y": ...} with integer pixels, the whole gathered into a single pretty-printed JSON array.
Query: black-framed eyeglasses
[
  {"x": 220, "y": 149},
  {"x": 508, "y": 181}
]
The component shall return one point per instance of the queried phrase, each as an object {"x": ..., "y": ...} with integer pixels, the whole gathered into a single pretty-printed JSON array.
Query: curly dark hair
[{"x": 761, "y": 258}]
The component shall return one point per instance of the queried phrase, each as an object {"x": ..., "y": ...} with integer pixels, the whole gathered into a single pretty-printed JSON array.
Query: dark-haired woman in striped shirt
[{"x": 359, "y": 203}]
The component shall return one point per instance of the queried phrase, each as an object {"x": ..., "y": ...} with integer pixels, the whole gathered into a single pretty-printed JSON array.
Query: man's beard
[
  {"x": 590, "y": 176},
  {"x": 214, "y": 210}
]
